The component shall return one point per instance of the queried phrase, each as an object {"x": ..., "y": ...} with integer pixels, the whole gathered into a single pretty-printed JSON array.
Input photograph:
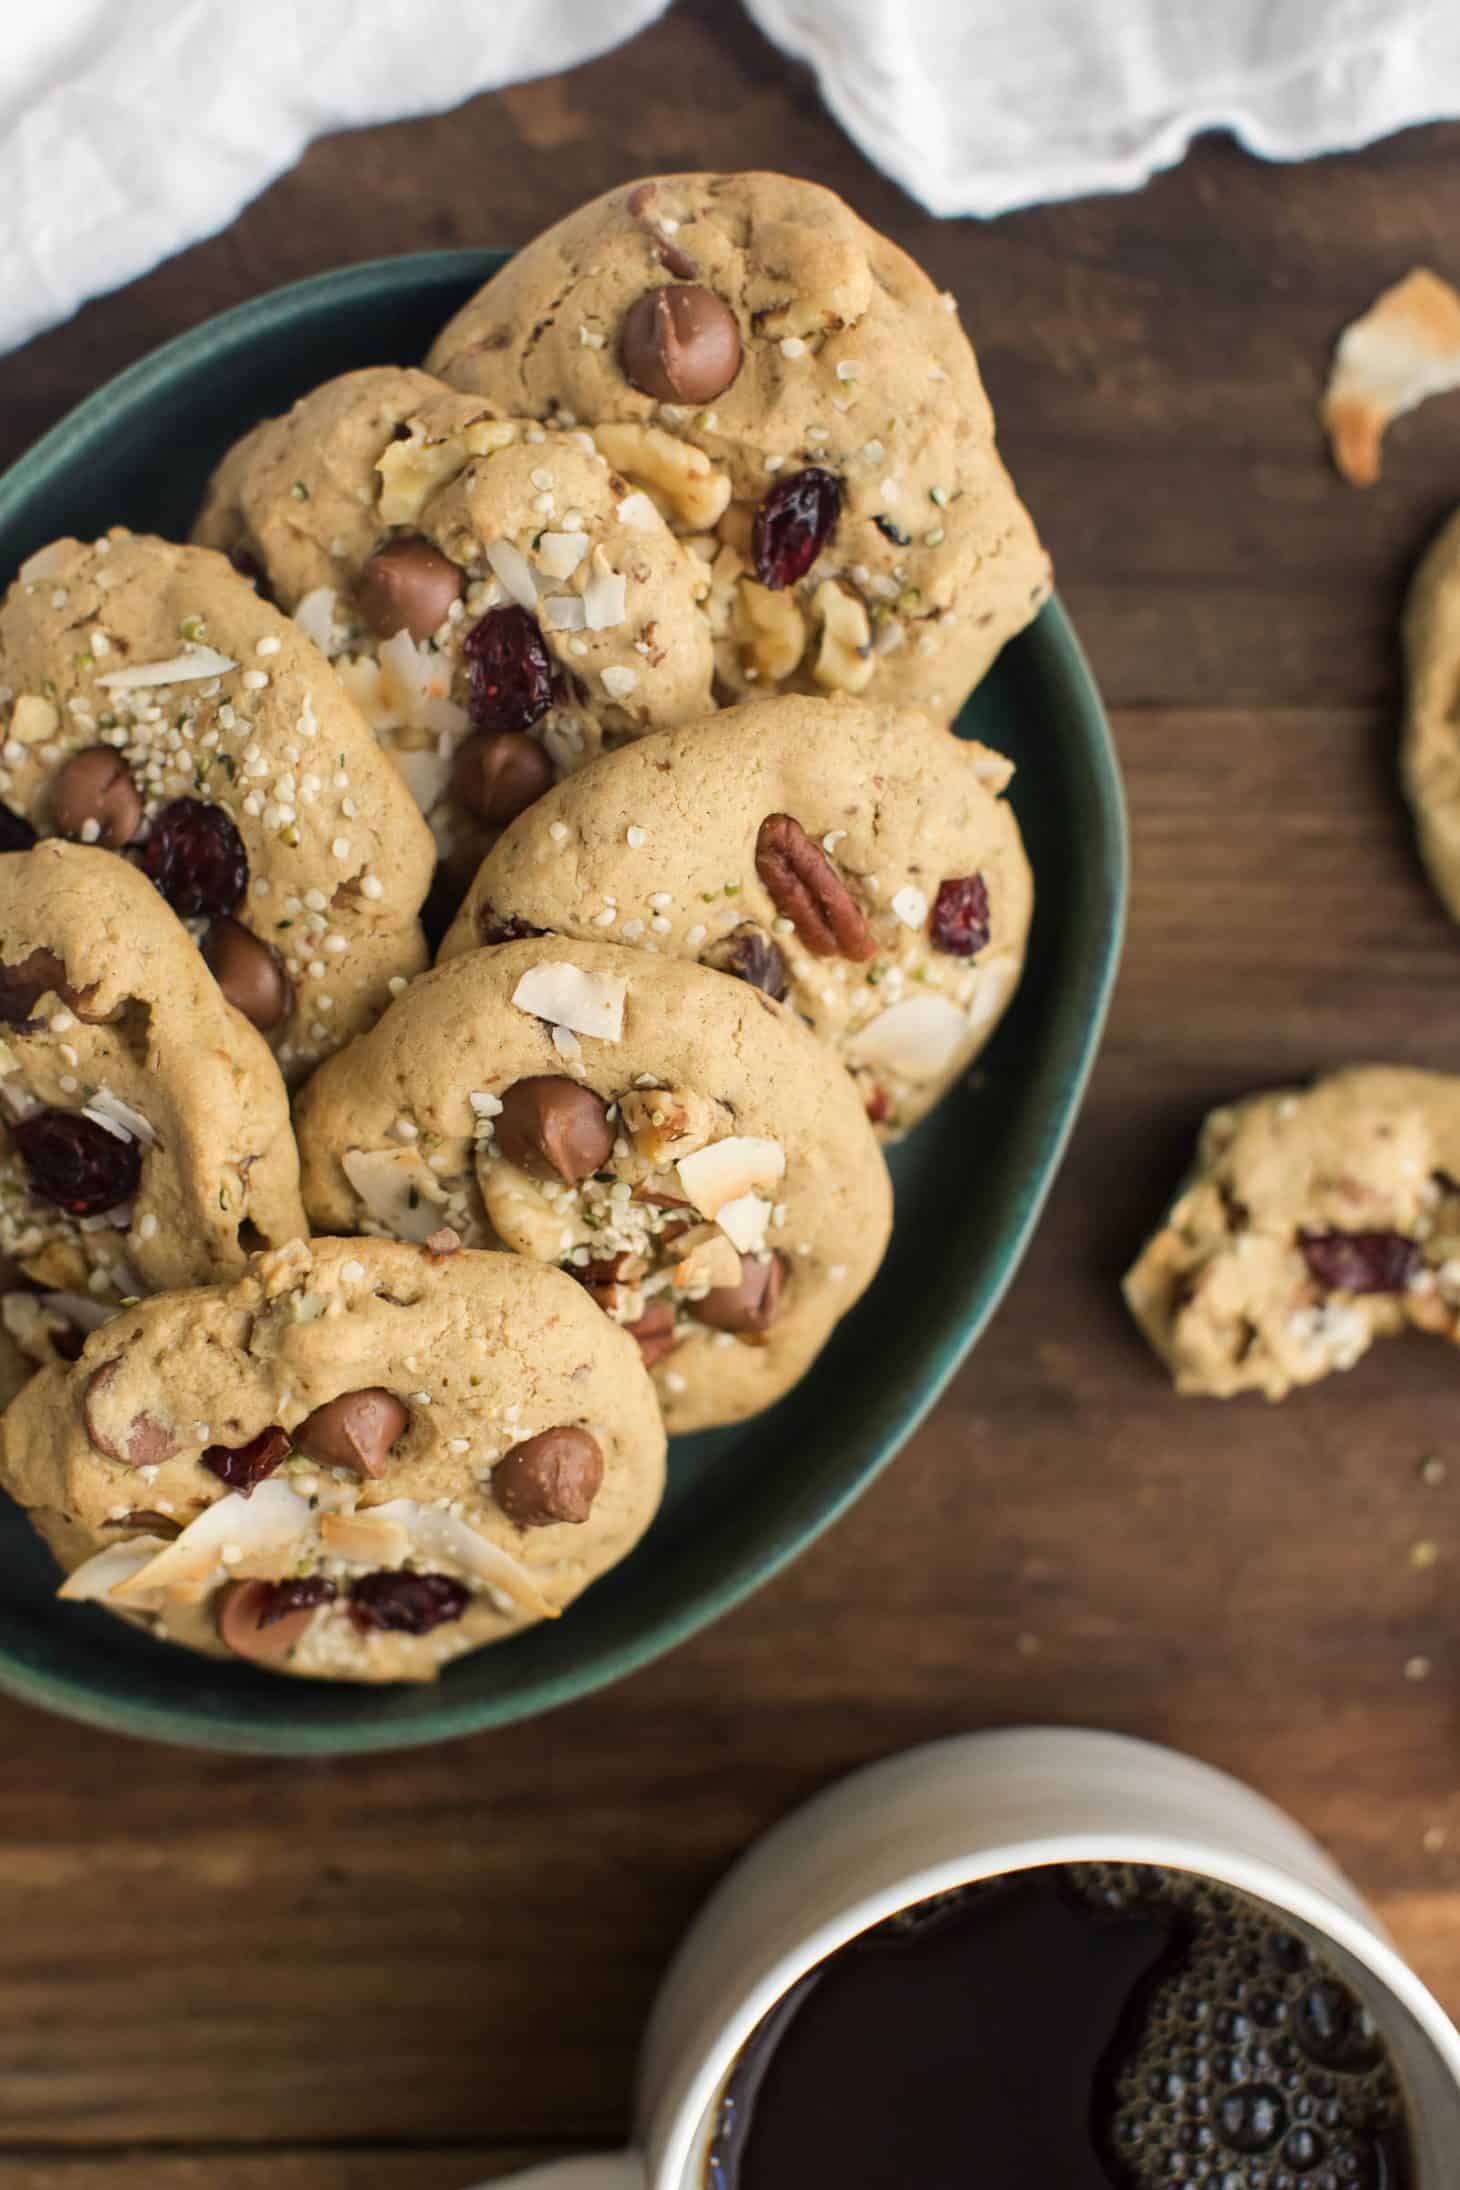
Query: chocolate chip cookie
[
  {"x": 498, "y": 600},
  {"x": 146, "y": 1138},
  {"x": 1315, "y": 1221},
  {"x": 670, "y": 1137},
  {"x": 152, "y": 705},
  {"x": 851, "y": 859},
  {"x": 1430, "y": 754},
  {"x": 355, "y": 1462},
  {"x": 803, "y": 404}
]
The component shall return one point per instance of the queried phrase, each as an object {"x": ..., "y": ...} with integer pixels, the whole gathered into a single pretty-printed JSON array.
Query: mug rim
[{"x": 682, "y": 2142}]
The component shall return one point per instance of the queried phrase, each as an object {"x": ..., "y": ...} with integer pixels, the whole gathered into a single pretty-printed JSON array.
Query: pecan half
[{"x": 806, "y": 889}]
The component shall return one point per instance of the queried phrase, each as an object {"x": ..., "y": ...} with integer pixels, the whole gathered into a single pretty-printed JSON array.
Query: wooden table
[{"x": 406, "y": 1972}]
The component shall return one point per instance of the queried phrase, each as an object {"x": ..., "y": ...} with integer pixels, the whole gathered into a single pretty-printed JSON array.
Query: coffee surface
[{"x": 1097, "y": 2027}]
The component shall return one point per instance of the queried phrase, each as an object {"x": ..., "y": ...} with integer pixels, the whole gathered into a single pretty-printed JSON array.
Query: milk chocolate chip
[
  {"x": 264, "y": 1620},
  {"x": 680, "y": 344},
  {"x": 249, "y": 973},
  {"x": 356, "y": 1431},
  {"x": 94, "y": 798},
  {"x": 498, "y": 773},
  {"x": 654, "y": 1332},
  {"x": 408, "y": 585},
  {"x": 554, "y": 1129},
  {"x": 554, "y": 1476},
  {"x": 752, "y": 1305},
  {"x": 141, "y": 1442}
]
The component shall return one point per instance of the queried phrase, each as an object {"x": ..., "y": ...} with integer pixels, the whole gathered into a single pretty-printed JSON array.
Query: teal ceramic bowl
[{"x": 970, "y": 1181}]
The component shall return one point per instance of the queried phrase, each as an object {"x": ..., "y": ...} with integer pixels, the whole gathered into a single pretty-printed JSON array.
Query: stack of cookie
[{"x": 620, "y": 643}]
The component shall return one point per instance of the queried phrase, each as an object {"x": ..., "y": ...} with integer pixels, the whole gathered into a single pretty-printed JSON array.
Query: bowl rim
[{"x": 179, "y": 1724}]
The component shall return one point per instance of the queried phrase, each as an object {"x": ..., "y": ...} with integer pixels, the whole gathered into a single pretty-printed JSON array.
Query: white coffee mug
[{"x": 982, "y": 1806}]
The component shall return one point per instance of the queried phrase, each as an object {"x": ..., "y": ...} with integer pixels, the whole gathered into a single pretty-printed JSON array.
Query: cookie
[
  {"x": 802, "y": 403},
  {"x": 669, "y": 1136},
  {"x": 1430, "y": 751},
  {"x": 1315, "y": 1221},
  {"x": 147, "y": 1140},
  {"x": 355, "y": 1462},
  {"x": 155, "y": 706},
  {"x": 853, "y": 860},
  {"x": 496, "y": 598}
]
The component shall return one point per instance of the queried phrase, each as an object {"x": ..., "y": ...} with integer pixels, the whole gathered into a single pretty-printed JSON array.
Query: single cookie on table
[
  {"x": 355, "y": 1462},
  {"x": 671, "y": 1138},
  {"x": 146, "y": 1133},
  {"x": 853, "y": 860},
  {"x": 1315, "y": 1221},
  {"x": 803, "y": 404},
  {"x": 1430, "y": 753},
  {"x": 153, "y": 705},
  {"x": 495, "y": 597}
]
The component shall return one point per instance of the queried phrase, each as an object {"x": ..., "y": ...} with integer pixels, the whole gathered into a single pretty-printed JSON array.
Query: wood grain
[{"x": 386, "y": 1972}]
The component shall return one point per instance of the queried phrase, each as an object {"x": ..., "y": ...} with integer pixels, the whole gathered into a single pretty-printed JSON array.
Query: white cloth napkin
[{"x": 130, "y": 130}]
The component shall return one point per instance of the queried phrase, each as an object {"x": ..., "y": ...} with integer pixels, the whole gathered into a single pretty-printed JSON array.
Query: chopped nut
[
  {"x": 771, "y": 630},
  {"x": 678, "y": 475},
  {"x": 844, "y": 660}
]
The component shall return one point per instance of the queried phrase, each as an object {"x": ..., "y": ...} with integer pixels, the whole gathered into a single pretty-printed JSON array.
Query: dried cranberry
[
  {"x": 75, "y": 1163},
  {"x": 242, "y": 1466},
  {"x": 793, "y": 525},
  {"x": 1361, "y": 1262},
  {"x": 408, "y": 1604},
  {"x": 196, "y": 858},
  {"x": 16, "y": 833},
  {"x": 750, "y": 955},
  {"x": 960, "y": 920},
  {"x": 511, "y": 678},
  {"x": 300, "y": 1596}
]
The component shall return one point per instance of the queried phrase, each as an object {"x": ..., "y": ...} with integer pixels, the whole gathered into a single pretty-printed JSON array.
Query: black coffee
[{"x": 1096, "y": 2027}]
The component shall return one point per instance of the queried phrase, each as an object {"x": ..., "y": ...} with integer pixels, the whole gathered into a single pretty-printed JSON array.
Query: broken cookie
[
  {"x": 355, "y": 1462},
  {"x": 675, "y": 1141},
  {"x": 1315, "y": 1220}
]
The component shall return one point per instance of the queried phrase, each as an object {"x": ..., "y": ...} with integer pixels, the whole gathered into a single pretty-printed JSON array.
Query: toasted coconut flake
[
  {"x": 107, "y": 1571},
  {"x": 399, "y": 1189},
  {"x": 186, "y": 668},
  {"x": 728, "y": 1169},
  {"x": 744, "y": 1222},
  {"x": 267, "y": 1527},
  {"x": 437, "y": 1534},
  {"x": 365, "y": 1539},
  {"x": 1405, "y": 347},
  {"x": 567, "y": 996}
]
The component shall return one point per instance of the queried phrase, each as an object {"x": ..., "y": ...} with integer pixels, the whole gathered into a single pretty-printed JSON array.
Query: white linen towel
[{"x": 129, "y": 131}]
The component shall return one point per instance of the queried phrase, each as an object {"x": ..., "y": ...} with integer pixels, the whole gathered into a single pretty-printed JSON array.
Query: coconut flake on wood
[
  {"x": 568, "y": 996},
  {"x": 728, "y": 1169},
  {"x": 917, "y": 1039},
  {"x": 187, "y": 668},
  {"x": 399, "y": 1189}
]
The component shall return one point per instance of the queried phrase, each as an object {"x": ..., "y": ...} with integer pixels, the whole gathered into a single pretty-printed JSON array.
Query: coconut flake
[
  {"x": 560, "y": 553},
  {"x": 563, "y": 612},
  {"x": 96, "y": 1577},
  {"x": 399, "y": 1189},
  {"x": 568, "y": 996},
  {"x": 266, "y": 1526},
  {"x": 47, "y": 562},
  {"x": 186, "y": 668},
  {"x": 119, "y": 1118},
  {"x": 364, "y": 1538},
  {"x": 910, "y": 905},
  {"x": 744, "y": 1221},
  {"x": 315, "y": 617},
  {"x": 727, "y": 1170},
  {"x": 991, "y": 991},
  {"x": 436, "y": 1533},
  {"x": 605, "y": 600},
  {"x": 637, "y": 511},
  {"x": 917, "y": 1039},
  {"x": 515, "y": 572}
]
